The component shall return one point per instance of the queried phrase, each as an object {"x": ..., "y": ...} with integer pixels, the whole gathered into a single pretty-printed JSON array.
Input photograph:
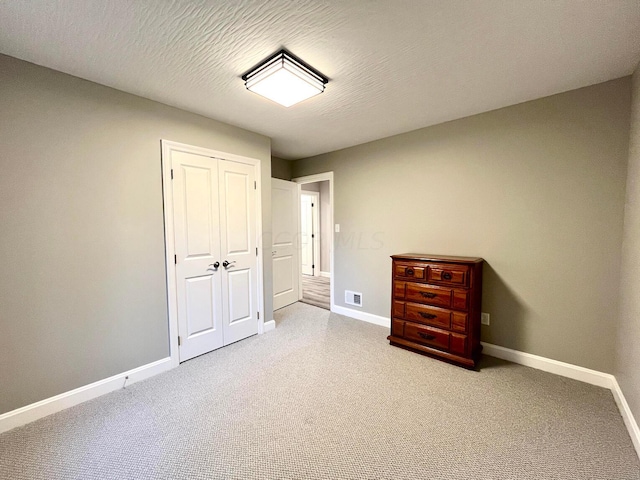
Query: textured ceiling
[{"x": 394, "y": 66}]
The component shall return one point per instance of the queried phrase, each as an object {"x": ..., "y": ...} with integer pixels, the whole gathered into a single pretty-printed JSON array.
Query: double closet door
[{"x": 214, "y": 211}]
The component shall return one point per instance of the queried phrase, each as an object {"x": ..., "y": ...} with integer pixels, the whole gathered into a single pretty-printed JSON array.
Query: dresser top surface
[{"x": 436, "y": 258}]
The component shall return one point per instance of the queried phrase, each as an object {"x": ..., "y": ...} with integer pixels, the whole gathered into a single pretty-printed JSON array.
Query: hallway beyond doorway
[{"x": 315, "y": 291}]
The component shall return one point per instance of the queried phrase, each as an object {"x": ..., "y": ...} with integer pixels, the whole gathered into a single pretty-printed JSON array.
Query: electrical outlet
[{"x": 485, "y": 319}]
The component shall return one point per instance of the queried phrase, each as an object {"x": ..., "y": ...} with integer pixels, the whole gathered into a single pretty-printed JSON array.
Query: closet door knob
[
  {"x": 215, "y": 265},
  {"x": 227, "y": 263}
]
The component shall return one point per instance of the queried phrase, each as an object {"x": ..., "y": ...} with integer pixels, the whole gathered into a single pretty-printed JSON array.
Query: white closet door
[
  {"x": 238, "y": 250},
  {"x": 197, "y": 243}
]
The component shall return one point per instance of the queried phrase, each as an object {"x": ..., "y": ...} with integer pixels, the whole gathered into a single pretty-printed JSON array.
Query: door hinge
[
  {"x": 256, "y": 251},
  {"x": 258, "y": 315},
  {"x": 179, "y": 340},
  {"x": 312, "y": 204},
  {"x": 255, "y": 185},
  {"x": 313, "y": 266},
  {"x": 313, "y": 235},
  {"x": 172, "y": 174},
  {"x": 175, "y": 259}
]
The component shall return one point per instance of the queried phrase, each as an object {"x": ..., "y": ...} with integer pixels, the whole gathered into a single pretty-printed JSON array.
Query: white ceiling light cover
[{"x": 285, "y": 79}]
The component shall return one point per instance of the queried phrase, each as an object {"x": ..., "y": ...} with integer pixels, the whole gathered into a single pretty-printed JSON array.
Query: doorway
[{"x": 316, "y": 239}]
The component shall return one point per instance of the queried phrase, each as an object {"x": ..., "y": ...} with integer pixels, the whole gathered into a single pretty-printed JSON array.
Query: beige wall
[
  {"x": 82, "y": 290},
  {"x": 628, "y": 347},
  {"x": 280, "y": 168},
  {"x": 537, "y": 189}
]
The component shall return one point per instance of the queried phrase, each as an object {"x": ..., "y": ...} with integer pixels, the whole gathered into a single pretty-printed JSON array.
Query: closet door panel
[
  {"x": 237, "y": 195},
  {"x": 197, "y": 242}
]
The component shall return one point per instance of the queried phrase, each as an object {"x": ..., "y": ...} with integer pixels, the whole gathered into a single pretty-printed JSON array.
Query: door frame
[
  {"x": 321, "y": 177},
  {"x": 168, "y": 146},
  {"x": 315, "y": 222}
]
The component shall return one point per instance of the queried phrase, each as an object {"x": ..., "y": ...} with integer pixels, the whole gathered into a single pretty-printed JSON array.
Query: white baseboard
[
  {"x": 270, "y": 325},
  {"x": 627, "y": 415},
  {"x": 360, "y": 315},
  {"x": 325, "y": 274},
  {"x": 548, "y": 365},
  {"x": 29, "y": 413}
]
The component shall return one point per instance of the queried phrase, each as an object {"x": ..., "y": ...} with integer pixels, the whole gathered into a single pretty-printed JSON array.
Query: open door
[{"x": 284, "y": 237}]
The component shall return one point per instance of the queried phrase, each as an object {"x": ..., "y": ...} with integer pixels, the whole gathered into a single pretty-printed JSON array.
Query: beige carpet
[
  {"x": 326, "y": 397},
  {"x": 315, "y": 291}
]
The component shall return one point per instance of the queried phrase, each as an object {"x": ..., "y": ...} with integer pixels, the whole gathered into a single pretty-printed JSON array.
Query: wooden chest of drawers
[{"x": 435, "y": 306}]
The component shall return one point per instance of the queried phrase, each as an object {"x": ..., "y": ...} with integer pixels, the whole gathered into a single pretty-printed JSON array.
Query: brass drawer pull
[
  {"x": 446, "y": 275},
  {"x": 428, "y": 294},
  {"x": 427, "y": 336},
  {"x": 427, "y": 315}
]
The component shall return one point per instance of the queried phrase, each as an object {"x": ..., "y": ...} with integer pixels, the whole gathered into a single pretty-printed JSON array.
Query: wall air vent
[{"x": 353, "y": 298}]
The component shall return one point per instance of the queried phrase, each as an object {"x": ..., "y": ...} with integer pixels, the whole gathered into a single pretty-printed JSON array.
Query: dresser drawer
[
  {"x": 426, "y": 335},
  {"x": 457, "y": 275},
  {"x": 438, "y": 317},
  {"x": 397, "y": 328},
  {"x": 398, "y": 309},
  {"x": 428, "y": 294},
  {"x": 458, "y": 343},
  {"x": 459, "y": 321},
  {"x": 410, "y": 271},
  {"x": 460, "y": 299},
  {"x": 398, "y": 289}
]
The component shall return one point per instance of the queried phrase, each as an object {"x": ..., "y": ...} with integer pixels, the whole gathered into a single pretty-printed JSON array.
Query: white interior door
[
  {"x": 197, "y": 244},
  {"x": 306, "y": 232},
  {"x": 239, "y": 253},
  {"x": 284, "y": 250}
]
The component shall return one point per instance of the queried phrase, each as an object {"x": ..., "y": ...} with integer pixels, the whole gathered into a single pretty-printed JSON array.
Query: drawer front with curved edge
[
  {"x": 456, "y": 275},
  {"x": 437, "y": 317},
  {"x": 428, "y": 294},
  {"x": 426, "y": 335},
  {"x": 397, "y": 328},
  {"x": 398, "y": 309},
  {"x": 460, "y": 300},
  {"x": 459, "y": 321},
  {"x": 458, "y": 343},
  {"x": 410, "y": 271}
]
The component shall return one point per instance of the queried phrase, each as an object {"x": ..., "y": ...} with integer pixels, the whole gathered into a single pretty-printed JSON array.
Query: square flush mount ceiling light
[{"x": 285, "y": 79}]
